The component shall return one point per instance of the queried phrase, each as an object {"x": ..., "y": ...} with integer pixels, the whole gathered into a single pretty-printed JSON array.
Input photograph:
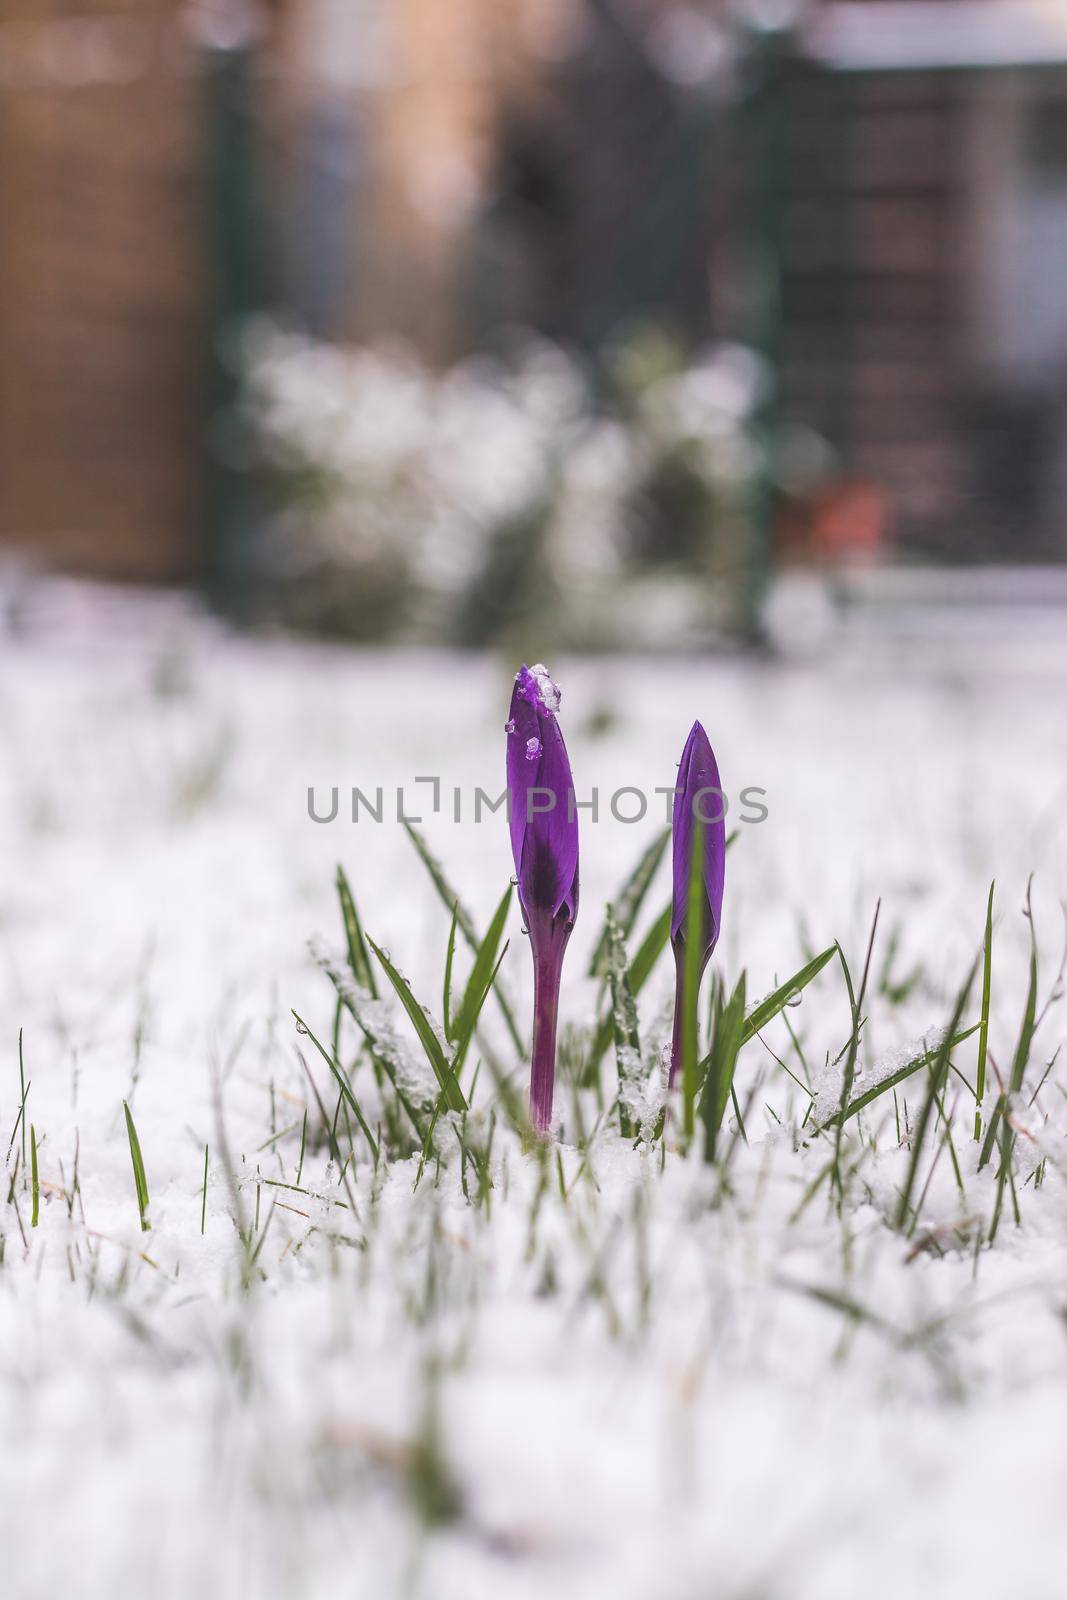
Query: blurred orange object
[
  {"x": 847, "y": 520},
  {"x": 850, "y": 521}
]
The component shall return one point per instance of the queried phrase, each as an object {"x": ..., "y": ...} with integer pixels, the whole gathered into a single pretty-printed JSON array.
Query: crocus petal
[
  {"x": 699, "y": 771},
  {"x": 544, "y": 841},
  {"x": 522, "y": 726}
]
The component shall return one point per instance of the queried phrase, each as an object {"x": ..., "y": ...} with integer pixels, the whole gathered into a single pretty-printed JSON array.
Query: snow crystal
[{"x": 547, "y": 691}]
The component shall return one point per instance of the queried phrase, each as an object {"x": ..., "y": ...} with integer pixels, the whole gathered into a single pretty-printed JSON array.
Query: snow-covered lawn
[{"x": 620, "y": 1373}]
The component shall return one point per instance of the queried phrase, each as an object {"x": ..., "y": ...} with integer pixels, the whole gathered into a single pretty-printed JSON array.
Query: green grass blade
[
  {"x": 304, "y": 1145},
  {"x": 722, "y": 1061},
  {"x": 352, "y": 997},
  {"x": 849, "y": 1075},
  {"x": 769, "y": 1008},
  {"x": 641, "y": 967},
  {"x": 343, "y": 1085},
  {"x": 938, "y": 1076},
  {"x": 358, "y": 958},
  {"x": 140, "y": 1181},
  {"x": 1020, "y": 1061},
  {"x": 446, "y": 997},
  {"x": 777, "y": 1001},
  {"x": 203, "y": 1196},
  {"x": 626, "y": 906},
  {"x": 1021, "y": 1056},
  {"x": 442, "y": 1067},
  {"x": 649, "y": 951},
  {"x": 23, "y": 1092},
  {"x": 483, "y": 971},
  {"x": 914, "y": 1064},
  {"x": 991, "y": 1131},
  {"x": 623, "y": 1016},
  {"x": 473, "y": 1012},
  {"x": 35, "y": 1182},
  {"x": 454, "y": 905},
  {"x": 983, "y": 1026}
]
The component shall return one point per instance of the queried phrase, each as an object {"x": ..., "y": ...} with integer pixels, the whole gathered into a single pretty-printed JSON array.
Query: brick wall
[{"x": 101, "y": 289}]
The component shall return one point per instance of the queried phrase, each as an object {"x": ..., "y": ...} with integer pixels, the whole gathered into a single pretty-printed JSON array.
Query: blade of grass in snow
[
  {"x": 778, "y": 999},
  {"x": 345, "y": 1088},
  {"x": 139, "y": 1179},
  {"x": 20, "y": 1120},
  {"x": 1020, "y": 1061},
  {"x": 446, "y": 993},
  {"x": 1022, "y": 1050},
  {"x": 454, "y": 905},
  {"x": 472, "y": 1011},
  {"x": 35, "y": 1182},
  {"x": 304, "y": 1145},
  {"x": 335, "y": 1150},
  {"x": 624, "y": 1018},
  {"x": 896, "y": 991},
  {"x": 358, "y": 958},
  {"x": 938, "y": 1076},
  {"x": 1021, "y": 1058},
  {"x": 23, "y": 1091},
  {"x": 906, "y": 1069},
  {"x": 203, "y": 1196},
  {"x": 389, "y": 1068},
  {"x": 849, "y": 1075},
  {"x": 983, "y": 1026},
  {"x": 783, "y": 996},
  {"x": 431, "y": 1044},
  {"x": 649, "y": 951},
  {"x": 482, "y": 973},
  {"x": 726, "y": 1041},
  {"x": 626, "y": 906}
]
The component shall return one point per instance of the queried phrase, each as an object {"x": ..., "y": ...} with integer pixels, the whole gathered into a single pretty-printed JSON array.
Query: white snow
[
  {"x": 548, "y": 692},
  {"x": 660, "y": 1387}
]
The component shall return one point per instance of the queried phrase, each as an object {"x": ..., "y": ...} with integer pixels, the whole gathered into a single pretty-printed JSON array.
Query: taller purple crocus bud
[
  {"x": 544, "y": 841},
  {"x": 698, "y": 803}
]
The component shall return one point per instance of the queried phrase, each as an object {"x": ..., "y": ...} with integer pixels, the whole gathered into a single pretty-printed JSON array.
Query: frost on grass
[
  {"x": 643, "y": 1087},
  {"x": 897, "y": 1065},
  {"x": 643, "y": 1076},
  {"x": 377, "y": 1021}
]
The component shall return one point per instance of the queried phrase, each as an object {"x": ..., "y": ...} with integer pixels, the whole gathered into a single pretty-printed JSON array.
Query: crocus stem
[{"x": 547, "y": 969}]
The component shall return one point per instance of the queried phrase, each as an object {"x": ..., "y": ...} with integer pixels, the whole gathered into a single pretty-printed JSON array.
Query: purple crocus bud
[
  {"x": 698, "y": 803},
  {"x": 544, "y": 842}
]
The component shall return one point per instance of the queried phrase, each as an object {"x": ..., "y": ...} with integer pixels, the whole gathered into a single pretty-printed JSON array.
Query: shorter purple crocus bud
[
  {"x": 698, "y": 803},
  {"x": 544, "y": 842}
]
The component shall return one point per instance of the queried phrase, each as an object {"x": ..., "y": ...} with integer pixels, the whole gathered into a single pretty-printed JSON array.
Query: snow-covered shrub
[{"x": 406, "y": 502}]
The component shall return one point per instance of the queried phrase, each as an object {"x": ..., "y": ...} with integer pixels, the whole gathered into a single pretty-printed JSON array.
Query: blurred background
[{"x": 603, "y": 323}]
